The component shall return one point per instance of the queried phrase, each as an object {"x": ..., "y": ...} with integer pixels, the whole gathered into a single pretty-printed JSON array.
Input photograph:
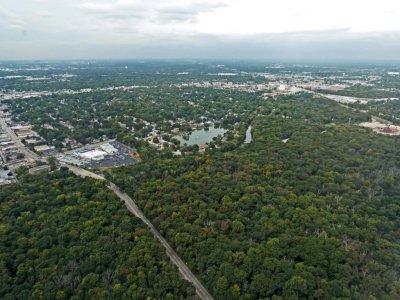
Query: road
[
  {"x": 21, "y": 147},
  {"x": 349, "y": 107},
  {"x": 131, "y": 205},
  {"x": 356, "y": 109}
]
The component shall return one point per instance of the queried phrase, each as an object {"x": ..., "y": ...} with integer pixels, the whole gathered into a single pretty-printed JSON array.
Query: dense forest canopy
[
  {"x": 316, "y": 217},
  {"x": 67, "y": 238},
  {"x": 309, "y": 209}
]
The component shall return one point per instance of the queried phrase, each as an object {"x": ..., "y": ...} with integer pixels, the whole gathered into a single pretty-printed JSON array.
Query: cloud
[
  {"x": 151, "y": 11},
  {"x": 11, "y": 21},
  {"x": 116, "y": 10},
  {"x": 199, "y": 28},
  {"x": 185, "y": 13},
  {"x": 46, "y": 14},
  {"x": 176, "y": 15},
  {"x": 6, "y": 13},
  {"x": 96, "y": 7},
  {"x": 138, "y": 19},
  {"x": 15, "y": 26}
]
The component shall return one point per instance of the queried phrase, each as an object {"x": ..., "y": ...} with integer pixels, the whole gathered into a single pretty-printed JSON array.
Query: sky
[{"x": 231, "y": 29}]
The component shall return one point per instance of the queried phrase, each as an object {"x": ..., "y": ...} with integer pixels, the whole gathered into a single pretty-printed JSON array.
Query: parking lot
[{"x": 121, "y": 156}]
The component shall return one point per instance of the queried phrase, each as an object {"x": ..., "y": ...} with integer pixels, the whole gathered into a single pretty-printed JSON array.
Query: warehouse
[
  {"x": 109, "y": 149},
  {"x": 93, "y": 155}
]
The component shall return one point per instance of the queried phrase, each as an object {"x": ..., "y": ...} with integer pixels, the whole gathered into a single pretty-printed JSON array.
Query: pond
[
  {"x": 249, "y": 136},
  {"x": 202, "y": 136}
]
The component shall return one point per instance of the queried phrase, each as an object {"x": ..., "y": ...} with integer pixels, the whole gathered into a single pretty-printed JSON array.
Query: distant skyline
[{"x": 256, "y": 29}]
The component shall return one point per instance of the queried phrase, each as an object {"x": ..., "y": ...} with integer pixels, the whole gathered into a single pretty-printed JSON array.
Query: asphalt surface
[
  {"x": 119, "y": 159},
  {"x": 131, "y": 205},
  {"x": 21, "y": 147}
]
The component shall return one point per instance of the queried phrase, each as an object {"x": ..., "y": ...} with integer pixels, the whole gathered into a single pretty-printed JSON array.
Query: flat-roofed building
[
  {"x": 21, "y": 127},
  {"x": 93, "y": 154},
  {"x": 39, "y": 169},
  {"x": 110, "y": 149},
  {"x": 43, "y": 148}
]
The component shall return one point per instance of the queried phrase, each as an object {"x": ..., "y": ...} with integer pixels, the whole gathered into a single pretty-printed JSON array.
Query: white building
[
  {"x": 43, "y": 148},
  {"x": 110, "y": 149},
  {"x": 93, "y": 155},
  {"x": 282, "y": 87}
]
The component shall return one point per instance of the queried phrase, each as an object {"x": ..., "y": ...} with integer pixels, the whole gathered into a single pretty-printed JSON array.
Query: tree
[{"x": 52, "y": 161}]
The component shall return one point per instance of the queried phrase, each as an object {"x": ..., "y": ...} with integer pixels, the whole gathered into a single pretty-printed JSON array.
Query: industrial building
[
  {"x": 92, "y": 154},
  {"x": 101, "y": 155},
  {"x": 43, "y": 148},
  {"x": 110, "y": 149}
]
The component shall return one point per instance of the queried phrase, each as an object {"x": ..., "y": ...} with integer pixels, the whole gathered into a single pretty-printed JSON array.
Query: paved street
[{"x": 21, "y": 147}]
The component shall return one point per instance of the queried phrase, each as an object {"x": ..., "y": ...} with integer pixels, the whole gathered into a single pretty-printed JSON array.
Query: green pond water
[
  {"x": 202, "y": 136},
  {"x": 249, "y": 136}
]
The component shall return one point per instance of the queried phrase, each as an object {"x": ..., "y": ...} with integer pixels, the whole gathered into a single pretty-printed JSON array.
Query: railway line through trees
[{"x": 184, "y": 270}]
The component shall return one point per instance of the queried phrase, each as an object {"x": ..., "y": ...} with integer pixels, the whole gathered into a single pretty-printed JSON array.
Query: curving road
[{"x": 131, "y": 205}]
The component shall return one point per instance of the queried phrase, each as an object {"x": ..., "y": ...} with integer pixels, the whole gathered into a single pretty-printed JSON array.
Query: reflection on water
[
  {"x": 249, "y": 136},
  {"x": 202, "y": 136}
]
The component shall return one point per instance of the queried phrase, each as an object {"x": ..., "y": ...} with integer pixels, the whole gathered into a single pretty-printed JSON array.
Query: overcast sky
[{"x": 264, "y": 29}]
